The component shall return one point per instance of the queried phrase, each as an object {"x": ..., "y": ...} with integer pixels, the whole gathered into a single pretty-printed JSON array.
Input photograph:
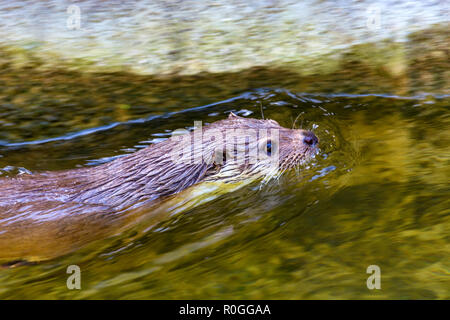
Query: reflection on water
[{"x": 377, "y": 193}]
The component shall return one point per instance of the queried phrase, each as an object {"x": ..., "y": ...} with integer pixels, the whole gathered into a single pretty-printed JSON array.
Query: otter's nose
[{"x": 310, "y": 138}]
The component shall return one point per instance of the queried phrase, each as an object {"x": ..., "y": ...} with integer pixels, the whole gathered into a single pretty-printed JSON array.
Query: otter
[{"x": 48, "y": 214}]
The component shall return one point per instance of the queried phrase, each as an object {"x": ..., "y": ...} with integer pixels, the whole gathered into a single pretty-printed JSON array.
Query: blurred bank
[{"x": 402, "y": 42}]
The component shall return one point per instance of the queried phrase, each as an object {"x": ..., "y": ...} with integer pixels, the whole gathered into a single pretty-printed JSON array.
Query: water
[{"x": 376, "y": 194}]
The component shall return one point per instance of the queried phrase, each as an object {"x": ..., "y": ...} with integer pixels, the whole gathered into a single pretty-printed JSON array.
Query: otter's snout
[{"x": 310, "y": 139}]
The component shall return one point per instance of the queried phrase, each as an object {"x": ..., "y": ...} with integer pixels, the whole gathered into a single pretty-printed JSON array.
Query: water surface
[{"x": 376, "y": 194}]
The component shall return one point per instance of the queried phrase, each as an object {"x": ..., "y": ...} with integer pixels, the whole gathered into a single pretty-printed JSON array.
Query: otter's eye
[{"x": 269, "y": 147}]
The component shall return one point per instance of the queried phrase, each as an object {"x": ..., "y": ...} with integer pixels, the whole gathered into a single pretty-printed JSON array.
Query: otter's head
[
  {"x": 235, "y": 149},
  {"x": 240, "y": 147}
]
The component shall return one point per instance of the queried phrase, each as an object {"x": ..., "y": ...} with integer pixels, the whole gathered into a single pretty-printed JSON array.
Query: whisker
[{"x": 293, "y": 125}]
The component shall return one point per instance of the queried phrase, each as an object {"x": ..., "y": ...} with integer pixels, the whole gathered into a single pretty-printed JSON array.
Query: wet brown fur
[{"x": 45, "y": 214}]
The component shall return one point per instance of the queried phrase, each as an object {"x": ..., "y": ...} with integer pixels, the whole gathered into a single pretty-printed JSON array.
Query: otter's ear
[
  {"x": 274, "y": 122},
  {"x": 233, "y": 116}
]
